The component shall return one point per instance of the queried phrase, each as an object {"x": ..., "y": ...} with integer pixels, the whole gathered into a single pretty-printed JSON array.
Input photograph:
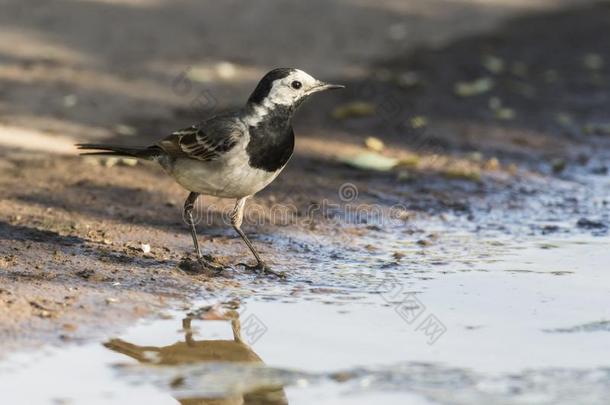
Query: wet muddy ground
[{"x": 472, "y": 271}]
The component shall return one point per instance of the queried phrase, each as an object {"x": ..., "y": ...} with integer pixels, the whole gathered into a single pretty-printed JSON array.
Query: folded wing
[{"x": 207, "y": 141}]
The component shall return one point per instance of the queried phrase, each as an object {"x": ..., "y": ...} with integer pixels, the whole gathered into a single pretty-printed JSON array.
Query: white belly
[{"x": 228, "y": 178}]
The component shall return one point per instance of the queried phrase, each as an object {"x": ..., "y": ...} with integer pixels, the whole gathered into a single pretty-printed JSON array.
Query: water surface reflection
[{"x": 199, "y": 352}]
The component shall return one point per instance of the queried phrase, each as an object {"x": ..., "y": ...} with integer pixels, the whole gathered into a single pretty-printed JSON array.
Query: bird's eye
[{"x": 296, "y": 84}]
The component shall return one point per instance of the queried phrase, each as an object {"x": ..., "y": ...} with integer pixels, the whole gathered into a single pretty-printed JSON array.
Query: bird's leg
[
  {"x": 205, "y": 261},
  {"x": 188, "y": 331},
  {"x": 237, "y": 217},
  {"x": 189, "y": 204}
]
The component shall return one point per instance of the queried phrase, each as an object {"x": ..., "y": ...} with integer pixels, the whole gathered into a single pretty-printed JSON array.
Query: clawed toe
[
  {"x": 209, "y": 263},
  {"x": 202, "y": 264},
  {"x": 262, "y": 267}
]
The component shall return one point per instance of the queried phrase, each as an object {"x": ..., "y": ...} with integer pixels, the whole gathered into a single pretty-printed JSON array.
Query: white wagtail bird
[{"x": 235, "y": 154}]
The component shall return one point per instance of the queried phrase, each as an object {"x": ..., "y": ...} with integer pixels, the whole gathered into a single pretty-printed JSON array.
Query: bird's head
[{"x": 287, "y": 87}]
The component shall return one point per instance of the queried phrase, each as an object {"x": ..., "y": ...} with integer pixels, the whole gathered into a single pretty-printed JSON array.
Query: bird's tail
[{"x": 149, "y": 153}]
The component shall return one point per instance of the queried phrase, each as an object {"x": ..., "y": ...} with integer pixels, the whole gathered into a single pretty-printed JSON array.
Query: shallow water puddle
[{"x": 527, "y": 323}]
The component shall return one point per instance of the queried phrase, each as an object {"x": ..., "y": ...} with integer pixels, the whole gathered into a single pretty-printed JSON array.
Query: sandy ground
[{"x": 475, "y": 97}]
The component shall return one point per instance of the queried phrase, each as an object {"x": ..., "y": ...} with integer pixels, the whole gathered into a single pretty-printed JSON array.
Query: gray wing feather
[{"x": 206, "y": 141}]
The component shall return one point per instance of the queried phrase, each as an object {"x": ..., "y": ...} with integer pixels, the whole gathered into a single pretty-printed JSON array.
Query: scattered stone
[
  {"x": 598, "y": 326},
  {"x": 86, "y": 274},
  {"x": 69, "y": 327},
  {"x": 398, "y": 256},
  {"x": 374, "y": 144},
  {"x": 342, "y": 376},
  {"x": 586, "y": 223},
  {"x": 558, "y": 165},
  {"x": 547, "y": 229},
  {"x": 145, "y": 247}
]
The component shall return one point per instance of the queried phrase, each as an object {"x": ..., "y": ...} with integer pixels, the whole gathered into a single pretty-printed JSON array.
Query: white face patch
[
  {"x": 258, "y": 113},
  {"x": 287, "y": 91}
]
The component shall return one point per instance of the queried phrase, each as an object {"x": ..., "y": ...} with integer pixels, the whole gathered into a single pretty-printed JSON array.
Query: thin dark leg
[
  {"x": 237, "y": 217},
  {"x": 250, "y": 246},
  {"x": 189, "y": 204}
]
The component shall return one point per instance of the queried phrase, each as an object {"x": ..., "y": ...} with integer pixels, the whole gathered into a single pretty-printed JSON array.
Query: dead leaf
[
  {"x": 374, "y": 144},
  {"x": 371, "y": 161},
  {"x": 474, "y": 88},
  {"x": 355, "y": 109}
]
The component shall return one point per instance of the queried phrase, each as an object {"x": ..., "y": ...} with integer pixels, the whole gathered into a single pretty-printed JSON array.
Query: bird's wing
[{"x": 206, "y": 141}]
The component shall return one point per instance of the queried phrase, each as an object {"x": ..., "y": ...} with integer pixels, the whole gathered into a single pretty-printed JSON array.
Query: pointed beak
[{"x": 321, "y": 86}]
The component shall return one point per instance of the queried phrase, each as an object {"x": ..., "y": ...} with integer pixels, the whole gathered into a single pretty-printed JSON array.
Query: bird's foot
[
  {"x": 203, "y": 263},
  {"x": 208, "y": 262},
  {"x": 262, "y": 267}
]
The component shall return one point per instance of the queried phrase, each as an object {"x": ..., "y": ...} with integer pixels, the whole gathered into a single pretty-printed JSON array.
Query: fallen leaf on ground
[
  {"x": 473, "y": 88},
  {"x": 408, "y": 161},
  {"x": 492, "y": 164},
  {"x": 419, "y": 121},
  {"x": 374, "y": 144},
  {"x": 597, "y": 129},
  {"x": 593, "y": 61},
  {"x": 355, "y": 109},
  {"x": 371, "y": 161},
  {"x": 505, "y": 113},
  {"x": 493, "y": 63},
  {"x": 463, "y": 173}
]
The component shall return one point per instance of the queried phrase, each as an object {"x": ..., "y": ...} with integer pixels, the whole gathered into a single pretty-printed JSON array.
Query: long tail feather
[{"x": 116, "y": 150}]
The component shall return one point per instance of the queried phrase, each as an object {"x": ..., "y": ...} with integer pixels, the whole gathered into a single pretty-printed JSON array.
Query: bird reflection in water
[{"x": 191, "y": 351}]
